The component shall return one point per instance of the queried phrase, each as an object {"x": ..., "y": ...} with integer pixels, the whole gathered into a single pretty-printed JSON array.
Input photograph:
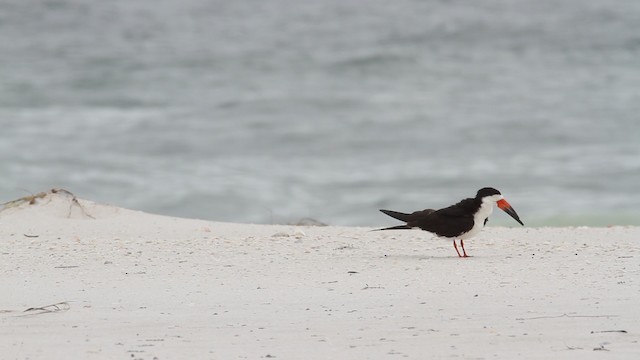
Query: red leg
[
  {"x": 455, "y": 246},
  {"x": 463, "y": 250}
]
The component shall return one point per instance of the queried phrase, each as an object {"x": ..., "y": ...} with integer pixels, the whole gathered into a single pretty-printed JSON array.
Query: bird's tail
[
  {"x": 397, "y": 215},
  {"x": 399, "y": 227}
]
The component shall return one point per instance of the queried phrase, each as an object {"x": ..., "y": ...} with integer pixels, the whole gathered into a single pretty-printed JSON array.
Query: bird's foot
[
  {"x": 455, "y": 246},
  {"x": 463, "y": 250}
]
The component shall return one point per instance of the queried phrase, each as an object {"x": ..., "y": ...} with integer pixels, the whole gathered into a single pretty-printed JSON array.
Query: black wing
[
  {"x": 451, "y": 221},
  {"x": 464, "y": 208}
]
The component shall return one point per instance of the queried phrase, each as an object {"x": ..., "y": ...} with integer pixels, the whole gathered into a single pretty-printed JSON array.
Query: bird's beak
[{"x": 504, "y": 206}]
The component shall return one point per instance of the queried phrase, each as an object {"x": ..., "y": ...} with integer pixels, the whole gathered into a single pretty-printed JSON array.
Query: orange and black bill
[{"x": 504, "y": 206}]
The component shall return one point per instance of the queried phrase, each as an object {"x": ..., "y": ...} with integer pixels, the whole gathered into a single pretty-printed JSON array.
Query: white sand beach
[{"x": 130, "y": 285}]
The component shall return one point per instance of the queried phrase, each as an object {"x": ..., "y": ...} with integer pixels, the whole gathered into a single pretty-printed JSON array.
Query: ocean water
[{"x": 272, "y": 111}]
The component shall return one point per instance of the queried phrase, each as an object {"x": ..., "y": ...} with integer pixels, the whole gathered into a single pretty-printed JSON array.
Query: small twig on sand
[
  {"x": 74, "y": 201},
  {"x": 84, "y": 211},
  {"x": 367, "y": 287},
  {"x": 572, "y": 347},
  {"x": 566, "y": 315},
  {"x": 57, "y": 307},
  {"x": 608, "y": 331}
]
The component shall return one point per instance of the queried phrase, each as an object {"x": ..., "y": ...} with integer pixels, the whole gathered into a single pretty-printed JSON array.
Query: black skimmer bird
[{"x": 460, "y": 221}]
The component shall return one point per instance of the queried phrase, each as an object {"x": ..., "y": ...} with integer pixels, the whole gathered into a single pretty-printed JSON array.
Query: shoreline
[{"x": 96, "y": 281}]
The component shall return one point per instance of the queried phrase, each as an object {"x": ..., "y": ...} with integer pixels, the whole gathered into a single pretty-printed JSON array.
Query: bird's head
[{"x": 492, "y": 195}]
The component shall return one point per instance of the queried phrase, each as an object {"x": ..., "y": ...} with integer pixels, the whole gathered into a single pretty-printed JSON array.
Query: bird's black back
[{"x": 451, "y": 221}]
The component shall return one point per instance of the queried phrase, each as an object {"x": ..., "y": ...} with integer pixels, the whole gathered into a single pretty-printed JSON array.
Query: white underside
[{"x": 478, "y": 220}]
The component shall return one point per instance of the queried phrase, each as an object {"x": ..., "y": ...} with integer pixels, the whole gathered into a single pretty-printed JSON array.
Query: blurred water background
[{"x": 272, "y": 111}]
